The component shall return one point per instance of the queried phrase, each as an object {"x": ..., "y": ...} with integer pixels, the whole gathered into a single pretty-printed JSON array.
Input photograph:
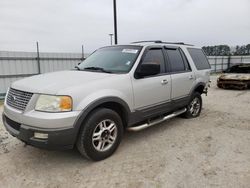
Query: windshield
[{"x": 113, "y": 59}]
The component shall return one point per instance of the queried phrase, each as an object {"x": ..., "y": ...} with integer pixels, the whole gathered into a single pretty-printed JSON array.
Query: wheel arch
[
  {"x": 199, "y": 87},
  {"x": 114, "y": 103}
]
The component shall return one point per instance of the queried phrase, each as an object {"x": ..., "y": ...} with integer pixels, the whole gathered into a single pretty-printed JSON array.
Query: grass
[{"x": 1, "y": 102}]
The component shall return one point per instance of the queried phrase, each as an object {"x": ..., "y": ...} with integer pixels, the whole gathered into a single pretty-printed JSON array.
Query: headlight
[{"x": 50, "y": 103}]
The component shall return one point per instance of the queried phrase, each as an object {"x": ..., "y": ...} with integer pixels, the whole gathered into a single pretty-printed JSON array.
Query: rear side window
[
  {"x": 176, "y": 60},
  {"x": 199, "y": 58}
]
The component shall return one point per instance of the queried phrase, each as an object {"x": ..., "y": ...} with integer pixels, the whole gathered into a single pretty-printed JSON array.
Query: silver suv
[{"x": 116, "y": 88}]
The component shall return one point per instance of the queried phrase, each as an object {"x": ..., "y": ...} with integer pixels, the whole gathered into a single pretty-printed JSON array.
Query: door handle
[
  {"x": 190, "y": 77},
  {"x": 163, "y": 82}
]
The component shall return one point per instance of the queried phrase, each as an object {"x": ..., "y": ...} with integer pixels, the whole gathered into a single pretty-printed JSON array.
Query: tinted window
[
  {"x": 199, "y": 58},
  {"x": 154, "y": 56},
  {"x": 187, "y": 66},
  {"x": 176, "y": 61}
]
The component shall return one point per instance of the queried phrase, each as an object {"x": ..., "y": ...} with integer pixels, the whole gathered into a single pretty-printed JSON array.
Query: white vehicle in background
[{"x": 116, "y": 88}]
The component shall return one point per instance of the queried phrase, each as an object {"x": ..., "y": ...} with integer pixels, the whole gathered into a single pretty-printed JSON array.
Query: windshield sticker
[{"x": 132, "y": 51}]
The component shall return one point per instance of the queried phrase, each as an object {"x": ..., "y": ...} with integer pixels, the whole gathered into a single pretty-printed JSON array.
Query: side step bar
[{"x": 149, "y": 124}]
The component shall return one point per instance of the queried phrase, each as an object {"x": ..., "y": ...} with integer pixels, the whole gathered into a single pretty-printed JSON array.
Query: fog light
[{"x": 41, "y": 135}]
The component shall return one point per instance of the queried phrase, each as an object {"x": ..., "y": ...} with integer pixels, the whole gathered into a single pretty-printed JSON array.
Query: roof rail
[
  {"x": 159, "y": 41},
  {"x": 180, "y": 43},
  {"x": 155, "y": 41}
]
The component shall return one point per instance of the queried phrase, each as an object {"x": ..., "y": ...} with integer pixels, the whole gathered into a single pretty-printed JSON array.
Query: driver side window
[{"x": 155, "y": 56}]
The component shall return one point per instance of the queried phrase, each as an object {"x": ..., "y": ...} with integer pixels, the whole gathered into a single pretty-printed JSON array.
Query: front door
[{"x": 152, "y": 92}]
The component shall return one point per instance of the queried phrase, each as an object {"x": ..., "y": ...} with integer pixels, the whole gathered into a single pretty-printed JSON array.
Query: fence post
[
  {"x": 229, "y": 61},
  {"x": 222, "y": 61},
  {"x": 215, "y": 64},
  {"x": 38, "y": 58}
]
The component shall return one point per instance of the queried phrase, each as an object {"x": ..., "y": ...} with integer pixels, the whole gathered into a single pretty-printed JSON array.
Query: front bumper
[
  {"x": 63, "y": 138},
  {"x": 60, "y": 129}
]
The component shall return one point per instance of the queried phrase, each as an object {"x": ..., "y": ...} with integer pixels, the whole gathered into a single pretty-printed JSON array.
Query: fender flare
[
  {"x": 196, "y": 86},
  {"x": 85, "y": 112}
]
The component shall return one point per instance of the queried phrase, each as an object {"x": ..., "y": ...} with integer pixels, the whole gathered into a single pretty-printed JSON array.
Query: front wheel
[
  {"x": 100, "y": 134},
  {"x": 194, "y": 106}
]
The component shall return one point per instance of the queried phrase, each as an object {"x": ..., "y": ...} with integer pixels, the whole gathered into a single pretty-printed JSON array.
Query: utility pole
[
  {"x": 115, "y": 21},
  {"x": 38, "y": 58},
  {"x": 111, "y": 38},
  {"x": 82, "y": 53}
]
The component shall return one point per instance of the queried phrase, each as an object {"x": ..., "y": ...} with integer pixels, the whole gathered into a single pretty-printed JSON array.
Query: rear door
[{"x": 181, "y": 74}]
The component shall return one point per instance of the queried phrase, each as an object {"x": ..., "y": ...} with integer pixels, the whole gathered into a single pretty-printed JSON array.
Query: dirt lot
[{"x": 210, "y": 151}]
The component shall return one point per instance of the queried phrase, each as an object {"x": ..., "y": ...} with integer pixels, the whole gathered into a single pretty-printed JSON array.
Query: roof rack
[
  {"x": 155, "y": 41},
  {"x": 159, "y": 41}
]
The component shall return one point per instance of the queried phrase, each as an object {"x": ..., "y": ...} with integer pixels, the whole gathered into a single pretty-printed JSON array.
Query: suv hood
[{"x": 51, "y": 83}]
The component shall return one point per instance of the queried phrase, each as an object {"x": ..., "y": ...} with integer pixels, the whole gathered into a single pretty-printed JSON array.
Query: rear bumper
[{"x": 58, "y": 138}]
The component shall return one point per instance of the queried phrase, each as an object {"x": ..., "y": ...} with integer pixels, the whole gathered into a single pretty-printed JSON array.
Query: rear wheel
[
  {"x": 100, "y": 135},
  {"x": 194, "y": 106}
]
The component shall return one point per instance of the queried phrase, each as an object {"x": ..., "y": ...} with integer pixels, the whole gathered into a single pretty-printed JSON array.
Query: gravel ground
[{"x": 212, "y": 150}]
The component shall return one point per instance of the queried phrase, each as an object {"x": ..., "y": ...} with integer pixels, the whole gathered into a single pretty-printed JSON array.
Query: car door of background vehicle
[
  {"x": 181, "y": 74},
  {"x": 152, "y": 93}
]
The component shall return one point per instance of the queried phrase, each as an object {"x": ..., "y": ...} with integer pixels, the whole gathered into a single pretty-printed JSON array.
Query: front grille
[
  {"x": 12, "y": 123},
  {"x": 18, "y": 99}
]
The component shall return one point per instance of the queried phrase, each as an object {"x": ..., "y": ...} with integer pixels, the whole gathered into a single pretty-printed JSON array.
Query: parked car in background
[
  {"x": 116, "y": 88},
  {"x": 235, "y": 77}
]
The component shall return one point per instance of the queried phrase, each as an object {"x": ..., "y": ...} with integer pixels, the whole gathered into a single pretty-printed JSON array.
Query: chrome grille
[{"x": 18, "y": 99}]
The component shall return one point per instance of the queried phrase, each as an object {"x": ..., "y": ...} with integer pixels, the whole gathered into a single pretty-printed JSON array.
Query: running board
[{"x": 149, "y": 124}]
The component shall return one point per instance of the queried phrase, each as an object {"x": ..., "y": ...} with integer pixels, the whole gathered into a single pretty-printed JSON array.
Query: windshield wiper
[{"x": 97, "y": 69}]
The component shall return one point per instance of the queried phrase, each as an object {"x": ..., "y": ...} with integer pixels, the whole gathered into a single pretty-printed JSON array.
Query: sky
[{"x": 66, "y": 25}]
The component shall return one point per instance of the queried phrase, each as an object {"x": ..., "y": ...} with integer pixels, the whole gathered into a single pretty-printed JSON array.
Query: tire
[
  {"x": 100, "y": 134},
  {"x": 194, "y": 111}
]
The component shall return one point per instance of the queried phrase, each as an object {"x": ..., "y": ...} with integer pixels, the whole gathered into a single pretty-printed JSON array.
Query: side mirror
[{"x": 148, "y": 69}]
